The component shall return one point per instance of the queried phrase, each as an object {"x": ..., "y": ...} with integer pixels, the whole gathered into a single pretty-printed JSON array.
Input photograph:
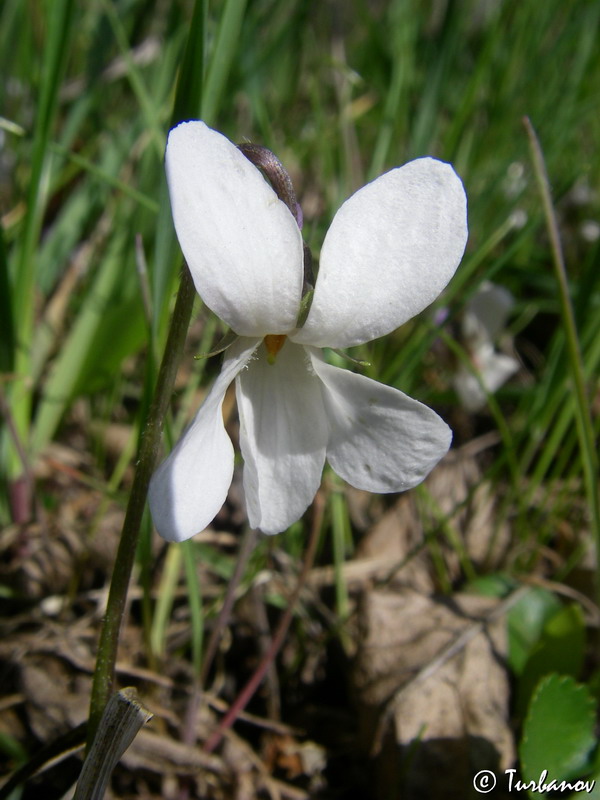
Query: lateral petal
[
  {"x": 241, "y": 243},
  {"x": 190, "y": 486},
  {"x": 283, "y": 436},
  {"x": 380, "y": 439},
  {"x": 391, "y": 249}
]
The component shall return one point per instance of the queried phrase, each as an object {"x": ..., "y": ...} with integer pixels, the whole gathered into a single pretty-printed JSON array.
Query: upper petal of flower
[
  {"x": 241, "y": 243},
  {"x": 391, "y": 249},
  {"x": 381, "y": 440},
  {"x": 191, "y": 485},
  {"x": 283, "y": 435}
]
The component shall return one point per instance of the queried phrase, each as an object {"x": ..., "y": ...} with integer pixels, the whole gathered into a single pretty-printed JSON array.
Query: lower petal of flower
[
  {"x": 283, "y": 436},
  {"x": 191, "y": 485},
  {"x": 381, "y": 440}
]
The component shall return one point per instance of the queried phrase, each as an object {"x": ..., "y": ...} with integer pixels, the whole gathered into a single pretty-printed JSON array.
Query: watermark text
[{"x": 486, "y": 780}]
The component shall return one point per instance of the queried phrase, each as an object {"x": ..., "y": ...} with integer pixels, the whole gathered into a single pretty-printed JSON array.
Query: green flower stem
[
  {"x": 585, "y": 427},
  {"x": 149, "y": 447}
]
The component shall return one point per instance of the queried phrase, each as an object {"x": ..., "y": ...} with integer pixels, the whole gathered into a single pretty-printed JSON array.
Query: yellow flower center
[{"x": 274, "y": 342}]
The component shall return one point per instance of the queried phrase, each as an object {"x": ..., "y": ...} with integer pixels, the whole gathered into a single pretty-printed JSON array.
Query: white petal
[
  {"x": 487, "y": 312},
  {"x": 283, "y": 435},
  {"x": 189, "y": 488},
  {"x": 494, "y": 370},
  {"x": 497, "y": 369},
  {"x": 241, "y": 243},
  {"x": 391, "y": 249},
  {"x": 381, "y": 440}
]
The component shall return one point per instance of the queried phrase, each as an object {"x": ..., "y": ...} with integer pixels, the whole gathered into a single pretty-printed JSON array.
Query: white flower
[
  {"x": 484, "y": 319},
  {"x": 391, "y": 249}
]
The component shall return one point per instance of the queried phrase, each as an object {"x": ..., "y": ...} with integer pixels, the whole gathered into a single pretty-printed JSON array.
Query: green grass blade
[
  {"x": 68, "y": 368},
  {"x": 145, "y": 98},
  {"x": 59, "y": 19},
  {"x": 583, "y": 417},
  {"x": 194, "y": 602},
  {"x": 165, "y": 598},
  {"x": 7, "y": 331},
  {"x": 222, "y": 57},
  {"x": 189, "y": 100},
  {"x": 340, "y": 530},
  {"x": 190, "y": 84}
]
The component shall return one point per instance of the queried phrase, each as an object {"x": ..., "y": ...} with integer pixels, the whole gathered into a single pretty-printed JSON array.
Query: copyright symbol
[{"x": 484, "y": 781}]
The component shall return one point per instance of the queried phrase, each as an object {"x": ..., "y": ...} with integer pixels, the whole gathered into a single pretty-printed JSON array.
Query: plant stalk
[{"x": 148, "y": 454}]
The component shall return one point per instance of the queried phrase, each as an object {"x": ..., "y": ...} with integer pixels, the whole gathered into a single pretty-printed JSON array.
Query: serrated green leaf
[{"x": 558, "y": 734}]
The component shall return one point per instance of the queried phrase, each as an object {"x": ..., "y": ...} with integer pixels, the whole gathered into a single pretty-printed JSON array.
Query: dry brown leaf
[
  {"x": 456, "y": 492},
  {"x": 57, "y": 698},
  {"x": 456, "y": 713}
]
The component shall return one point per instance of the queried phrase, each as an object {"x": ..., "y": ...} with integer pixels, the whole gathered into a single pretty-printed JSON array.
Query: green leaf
[
  {"x": 526, "y": 622},
  {"x": 497, "y": 584},
  {"x": 558, "y": 735},
  {"x": 560, "y": 649},
  {"x": 593, "y": 794}
]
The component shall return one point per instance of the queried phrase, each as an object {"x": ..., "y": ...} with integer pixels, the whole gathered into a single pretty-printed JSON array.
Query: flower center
[{"x": 274, "y": 342}]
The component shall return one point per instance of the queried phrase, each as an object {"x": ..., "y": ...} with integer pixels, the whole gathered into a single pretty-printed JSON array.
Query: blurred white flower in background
[{"x": 483, "y": 321}]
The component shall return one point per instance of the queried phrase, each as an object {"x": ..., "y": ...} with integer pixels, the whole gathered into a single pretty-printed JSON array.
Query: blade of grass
[
  {"x": 145, "y": 98},
  {"x": 65, "y": 372},
  {"x": 59, "y": 20},
  {"x": 165, "y": 596},
  {"x": 194, "y": 603},
  {"x": 116, "y": 183},
  {"x": 228, "y": 34},
  {"x": 583, "y": 416},
  {"x": 340, "y": 530},
  {"x": 403, "y": 32},
  {"x": 190, "y": 99},
  {"x": 7, "y": 329}
]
